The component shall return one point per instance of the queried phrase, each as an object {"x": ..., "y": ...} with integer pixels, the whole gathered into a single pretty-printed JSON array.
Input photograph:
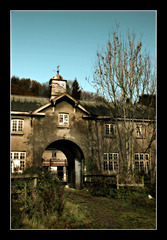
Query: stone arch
[{"x": 75, "y": 158}]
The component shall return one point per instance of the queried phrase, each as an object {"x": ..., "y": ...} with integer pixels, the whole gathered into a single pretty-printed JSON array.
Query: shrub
[
  {"x": 61, "y": 198},
  {"x": 47, "y": 198},
  {"x": 100, "y": 186}
]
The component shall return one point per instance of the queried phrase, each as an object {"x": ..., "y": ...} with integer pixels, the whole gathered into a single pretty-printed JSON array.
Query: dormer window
[{"x": 64, "y": 119}]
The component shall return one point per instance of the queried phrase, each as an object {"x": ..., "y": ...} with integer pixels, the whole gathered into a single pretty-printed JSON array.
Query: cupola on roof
[
  {"x": 57, "y": 76},
  {"x": 58, "y": 85}
]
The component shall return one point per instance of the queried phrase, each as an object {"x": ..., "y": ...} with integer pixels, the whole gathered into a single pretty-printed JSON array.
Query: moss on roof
[
  {"x": 97, "y": 108},
  {"x": 28, "y": 104}
]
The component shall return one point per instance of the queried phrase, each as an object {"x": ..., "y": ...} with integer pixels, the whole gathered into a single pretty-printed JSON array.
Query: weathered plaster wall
[
  {"x": 88, "y": 134},
  {"x": 20, "y": 142}
]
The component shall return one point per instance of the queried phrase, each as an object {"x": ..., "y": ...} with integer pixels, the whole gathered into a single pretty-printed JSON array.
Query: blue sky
[{"x": 42, "y": 40}]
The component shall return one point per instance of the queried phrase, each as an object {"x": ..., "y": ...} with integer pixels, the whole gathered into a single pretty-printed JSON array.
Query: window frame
[
  {"x": 111, "y": 129},
  {"x": 111, "y": 162},
  {"x": 21, "y": 156},
  {"x": 141, "y": 163},
  {"x": 15, "y": 126},
  {"x": 140, "y": 131},
  {"x": 63, "y": 122}
]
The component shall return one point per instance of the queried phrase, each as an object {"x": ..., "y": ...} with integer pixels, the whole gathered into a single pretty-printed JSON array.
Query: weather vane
[{"x": 57, "y": 68}]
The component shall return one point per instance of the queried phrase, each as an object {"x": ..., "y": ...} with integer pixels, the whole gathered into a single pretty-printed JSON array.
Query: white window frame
[
  {"x": 16, "y": 127},
  {"x": 109, "y": 129},
  {"x": 64, "y": 119},
  {"x": 18, "y": 156},
  {"x": 140, "y": 130},
  {"x": 111, "y": 162},
  {"x": 142, "y": 162}
]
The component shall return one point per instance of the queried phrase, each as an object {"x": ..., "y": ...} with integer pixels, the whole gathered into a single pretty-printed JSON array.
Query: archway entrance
[{"x": 71, "y": 162}]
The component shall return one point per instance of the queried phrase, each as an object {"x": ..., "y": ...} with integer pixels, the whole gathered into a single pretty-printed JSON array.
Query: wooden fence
[
  {"x": 89, "y": 179},
  {"x": 129, "y": 184},
  {"x": 25, "y": 176}
]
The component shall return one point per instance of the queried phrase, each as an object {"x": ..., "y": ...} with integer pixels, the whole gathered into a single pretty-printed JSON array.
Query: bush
[
  {"x": 100, "y": 186},
  {"x": 106, "y": 187}
]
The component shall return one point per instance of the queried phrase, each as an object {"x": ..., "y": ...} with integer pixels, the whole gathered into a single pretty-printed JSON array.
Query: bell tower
[{"x": 58, "y": 85}]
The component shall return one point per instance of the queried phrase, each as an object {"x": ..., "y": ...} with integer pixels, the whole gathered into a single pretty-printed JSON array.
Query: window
[
  {"x": 105, "y": 156},
  {"x": 53, "y": 154},
  {"x": 142, "y": 162},
  {"x": 17, "y": 125},
  {"x": 22, "y": 155},
  {"x": 105, "y": 165},
  {"x": 18, "y": 161},
  {"x": 21, "y": 165},
  {"x": 110, "y": 165},
  {"x": 140, "y": 131},
  {"x": 16, "y": 155},
  {"x": 63, "y": 119},
  {"x": 109, "y": 129},
  {"x": 111, "y": 161}
]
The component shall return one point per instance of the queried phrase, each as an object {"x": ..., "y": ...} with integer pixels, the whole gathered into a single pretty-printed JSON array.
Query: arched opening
[{"x": 67, "y": 159}]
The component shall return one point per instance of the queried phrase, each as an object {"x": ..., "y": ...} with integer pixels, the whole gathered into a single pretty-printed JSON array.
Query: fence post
[
  {"x": 35, "y": 182},
  {"x": 117, "y": 177},
  {"x": 25, "y": 192},
  {"x": 142, "y": 179}
]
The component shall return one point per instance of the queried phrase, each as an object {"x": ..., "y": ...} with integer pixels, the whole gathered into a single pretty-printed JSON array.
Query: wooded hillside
[{"x": 28, "y": 87}]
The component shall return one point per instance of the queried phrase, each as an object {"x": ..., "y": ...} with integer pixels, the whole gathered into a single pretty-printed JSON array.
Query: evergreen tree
[{"x": 76, "y": 92}]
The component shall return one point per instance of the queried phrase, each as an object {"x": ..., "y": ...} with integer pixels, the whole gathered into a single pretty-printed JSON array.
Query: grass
[
  {"x": 82, "y": 209},
  {"x": 137, "y": 212},
  {"x": 73, "y": 218}
]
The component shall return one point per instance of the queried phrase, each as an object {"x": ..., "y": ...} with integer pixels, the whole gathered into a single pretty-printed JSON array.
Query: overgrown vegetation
[
  {"x": 106, "y": 187},
  {"x": 123, "y": 209},
  {"x": 36, "y": 204},
  {"x": 99, "y": 205}
]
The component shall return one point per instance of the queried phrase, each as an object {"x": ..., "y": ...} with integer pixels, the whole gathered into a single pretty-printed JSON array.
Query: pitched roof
[
  {"x": 27, "y": 103},
  {"x": 30, "y": 104},
  {"x": 97, "y": 108}
]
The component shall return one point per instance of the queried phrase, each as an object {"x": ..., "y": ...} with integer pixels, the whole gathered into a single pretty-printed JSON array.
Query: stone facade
[{"x": 86, "y": 132}]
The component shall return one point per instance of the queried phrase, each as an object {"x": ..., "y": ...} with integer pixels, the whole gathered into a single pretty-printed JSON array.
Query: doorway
[{"x": 71, "y": 168}]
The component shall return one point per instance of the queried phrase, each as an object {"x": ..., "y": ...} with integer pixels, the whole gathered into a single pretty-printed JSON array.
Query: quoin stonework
[{"x": 78, "y": 138}]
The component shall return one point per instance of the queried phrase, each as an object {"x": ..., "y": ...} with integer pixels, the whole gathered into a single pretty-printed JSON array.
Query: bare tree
[{"x": 122, "y": 73}]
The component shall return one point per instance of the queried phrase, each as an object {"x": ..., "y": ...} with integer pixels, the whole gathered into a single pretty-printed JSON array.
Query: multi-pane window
[
  {"x": 18, "y": 161},
  {"x": 140, "y": 130},
  {"x": 17, "y": 125},
  {"x": 15, "y": 155},
  {"x": 142, "y": 162},
  {"x": 22, "y": 165},
  {"x": 111, "y": 161},
  {"x": 63, "y": 119},
  {"x": 109, "y": 129},
  {"x": 105, "y": 158}
]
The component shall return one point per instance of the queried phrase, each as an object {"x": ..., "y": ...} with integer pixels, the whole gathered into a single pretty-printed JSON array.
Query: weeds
[
  {"x": 61, "y": 197},
  {"x": 49, "y": 197},
  {"x": 51, "y": 206}
]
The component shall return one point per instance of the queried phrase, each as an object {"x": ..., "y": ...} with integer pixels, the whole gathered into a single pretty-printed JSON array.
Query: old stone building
[{"x": 77, "y": 138}]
